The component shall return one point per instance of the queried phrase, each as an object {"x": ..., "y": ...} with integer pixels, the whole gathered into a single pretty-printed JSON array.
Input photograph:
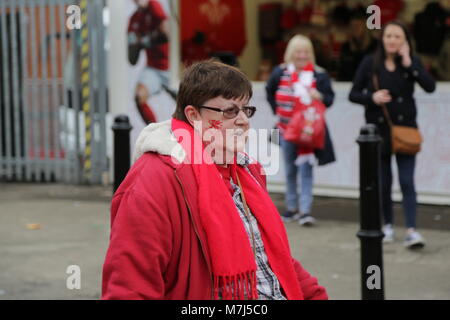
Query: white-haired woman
[{"x": 281, "y": 94}]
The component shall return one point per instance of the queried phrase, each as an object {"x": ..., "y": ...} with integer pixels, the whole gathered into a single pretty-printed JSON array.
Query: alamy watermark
[
  {"x": 221, "y": 145},
  {"x": 374, "y": 21},
  {"x": 373, "y": 282},
  {"x": 73, "y": 281},
  {"x": 74, "y": 17}
]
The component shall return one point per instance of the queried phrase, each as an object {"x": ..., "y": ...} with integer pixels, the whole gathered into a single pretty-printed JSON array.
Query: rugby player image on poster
[{"x": 148, "y": 30}]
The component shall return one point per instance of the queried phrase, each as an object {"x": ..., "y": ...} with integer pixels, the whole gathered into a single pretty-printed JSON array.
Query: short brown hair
[{"x": 207, "y": 80}]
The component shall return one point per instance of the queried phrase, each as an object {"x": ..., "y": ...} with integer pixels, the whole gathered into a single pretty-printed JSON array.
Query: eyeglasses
[{"x": 232, "y": 112}]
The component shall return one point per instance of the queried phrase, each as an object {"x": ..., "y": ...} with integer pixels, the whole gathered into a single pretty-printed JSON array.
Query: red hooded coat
[{"x": 157, "y": 248}]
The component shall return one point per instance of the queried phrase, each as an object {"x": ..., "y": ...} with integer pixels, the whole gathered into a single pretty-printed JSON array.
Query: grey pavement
[{"x": 73, "y": 229}]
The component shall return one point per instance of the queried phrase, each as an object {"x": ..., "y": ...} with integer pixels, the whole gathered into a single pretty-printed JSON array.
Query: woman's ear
[{"x": 192, "y": 114}]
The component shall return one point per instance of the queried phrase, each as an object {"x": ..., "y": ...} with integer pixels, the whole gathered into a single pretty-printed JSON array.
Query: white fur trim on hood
[{"x": 158, "y": 137}]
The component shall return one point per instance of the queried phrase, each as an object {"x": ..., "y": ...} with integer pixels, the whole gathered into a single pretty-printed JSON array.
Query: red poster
[{"x": 214, "y": 25}]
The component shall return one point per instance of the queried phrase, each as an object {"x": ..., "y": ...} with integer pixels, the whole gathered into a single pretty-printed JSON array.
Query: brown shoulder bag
[{"x": 404, "y": 140}]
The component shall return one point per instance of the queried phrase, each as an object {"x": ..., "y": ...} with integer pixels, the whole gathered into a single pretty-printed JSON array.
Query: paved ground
[{"x": 74, "y": 230}]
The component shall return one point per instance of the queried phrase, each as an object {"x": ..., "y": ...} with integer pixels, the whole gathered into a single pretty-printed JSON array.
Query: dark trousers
[{"x": 406, "y": 165}]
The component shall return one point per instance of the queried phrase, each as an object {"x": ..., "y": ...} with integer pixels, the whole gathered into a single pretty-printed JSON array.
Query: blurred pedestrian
[
  {"x": 281, "y": 94},
  {"x": 359, "y": 44},
  {"x": 394, "y": 69},
  {"x": 193, "y": 219}
]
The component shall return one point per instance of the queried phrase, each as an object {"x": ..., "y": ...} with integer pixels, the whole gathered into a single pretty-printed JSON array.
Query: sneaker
[
  {"x": 306, "y": 220},
  {"x": 388, "y": 231},
  {"x": 414, "y": 240},
  {"x": 290, "y": 216}
]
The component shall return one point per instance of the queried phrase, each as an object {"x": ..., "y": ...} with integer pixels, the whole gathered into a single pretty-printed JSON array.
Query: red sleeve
[
  {"x": 139, "y": 249},
  {"x": 310, "y": 287},
  {"x": 157, "y": 10},
  {"x": 134, "y": 22}
]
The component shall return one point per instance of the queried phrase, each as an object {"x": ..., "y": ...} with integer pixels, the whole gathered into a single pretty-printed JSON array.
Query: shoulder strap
[{"x": 376, "y": 86}]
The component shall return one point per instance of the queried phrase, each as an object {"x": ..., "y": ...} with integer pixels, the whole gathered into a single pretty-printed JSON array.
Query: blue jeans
[
  {"x": 296, "y": 175},
  {"x": 406, "y": 165}
]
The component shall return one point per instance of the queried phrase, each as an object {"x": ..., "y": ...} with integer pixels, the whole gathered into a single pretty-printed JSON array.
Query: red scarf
[{"x": 233, "y": 263}]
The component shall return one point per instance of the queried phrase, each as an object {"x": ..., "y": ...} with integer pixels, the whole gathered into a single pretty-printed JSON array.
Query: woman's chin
[{"x": 391, "y": 51}]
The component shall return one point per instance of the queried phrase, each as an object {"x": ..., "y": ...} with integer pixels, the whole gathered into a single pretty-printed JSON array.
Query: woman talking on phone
[{"x": 386, "y": 80}]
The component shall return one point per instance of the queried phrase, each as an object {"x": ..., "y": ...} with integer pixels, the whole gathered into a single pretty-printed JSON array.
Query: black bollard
[
  {"x": 370, "y": 234},
  {"x": 122, "y": 159}
]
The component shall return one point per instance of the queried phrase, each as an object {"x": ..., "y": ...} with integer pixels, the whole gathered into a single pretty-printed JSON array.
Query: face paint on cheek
[{"x": 215, "y": 124}]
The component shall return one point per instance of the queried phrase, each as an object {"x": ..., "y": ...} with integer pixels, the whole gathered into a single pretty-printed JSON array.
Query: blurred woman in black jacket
[{"x": 397, "y": 70}]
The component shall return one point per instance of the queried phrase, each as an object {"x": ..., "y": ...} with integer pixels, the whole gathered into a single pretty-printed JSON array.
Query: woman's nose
[{"x": 241, "y": 118}]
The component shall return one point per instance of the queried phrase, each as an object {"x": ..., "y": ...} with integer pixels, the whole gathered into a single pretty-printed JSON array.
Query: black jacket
[
  {"x": 430, "y": 28},
  {"x": 325, "y": 155},
  {"x": 400, "y": 83},
  {"x": 350, "y": 59}
]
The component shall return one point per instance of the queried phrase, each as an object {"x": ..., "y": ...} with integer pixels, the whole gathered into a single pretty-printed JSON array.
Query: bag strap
[{"x": 376, "y": 86}]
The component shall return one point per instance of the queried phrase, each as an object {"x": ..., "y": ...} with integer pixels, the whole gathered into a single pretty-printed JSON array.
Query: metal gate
[{"x": 53, "y": 94}]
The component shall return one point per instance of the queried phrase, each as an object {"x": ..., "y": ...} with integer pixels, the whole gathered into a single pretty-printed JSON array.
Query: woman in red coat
[{"x": 193, "y": 218}]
